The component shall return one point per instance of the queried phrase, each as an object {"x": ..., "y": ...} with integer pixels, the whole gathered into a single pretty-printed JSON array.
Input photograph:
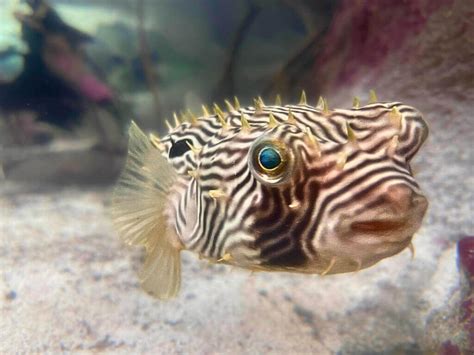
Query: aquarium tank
[{"x": 237, "y": 177}]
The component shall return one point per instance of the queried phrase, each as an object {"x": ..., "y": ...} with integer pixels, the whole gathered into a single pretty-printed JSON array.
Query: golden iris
[{"x": 271, "y": 161}]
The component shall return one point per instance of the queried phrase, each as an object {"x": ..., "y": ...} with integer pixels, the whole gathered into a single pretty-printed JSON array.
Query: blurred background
[
  {"x": 80, "y": 70},
  {"x": 74, "y": 73}
]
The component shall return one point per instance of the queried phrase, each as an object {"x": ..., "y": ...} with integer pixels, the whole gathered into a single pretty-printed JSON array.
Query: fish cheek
[{"x": 272, "y": 228}]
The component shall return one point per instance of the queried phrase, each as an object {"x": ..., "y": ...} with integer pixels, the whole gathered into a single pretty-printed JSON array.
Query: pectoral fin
[{"x": 138, "y": 213}]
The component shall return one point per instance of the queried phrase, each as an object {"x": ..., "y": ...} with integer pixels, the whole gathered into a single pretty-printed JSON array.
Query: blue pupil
[{"x": 269, "y": 158}]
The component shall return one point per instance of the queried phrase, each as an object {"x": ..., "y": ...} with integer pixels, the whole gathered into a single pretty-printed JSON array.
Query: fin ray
[{"x": 161, "y": 274}]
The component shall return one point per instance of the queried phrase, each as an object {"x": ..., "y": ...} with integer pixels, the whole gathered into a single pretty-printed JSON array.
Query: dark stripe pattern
[{"x": 284, "y": 226}]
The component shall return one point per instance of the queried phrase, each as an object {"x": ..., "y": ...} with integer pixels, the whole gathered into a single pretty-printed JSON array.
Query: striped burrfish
[{"x": 296, "y": 188}]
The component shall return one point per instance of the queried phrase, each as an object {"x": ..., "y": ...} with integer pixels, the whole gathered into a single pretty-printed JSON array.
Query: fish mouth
[
  {"x": 387, "y": 221},
  {"x": 378, "y": 225}
]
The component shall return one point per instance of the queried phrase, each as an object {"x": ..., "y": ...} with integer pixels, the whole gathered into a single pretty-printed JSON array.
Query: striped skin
[{"x": 347, "y": 199}]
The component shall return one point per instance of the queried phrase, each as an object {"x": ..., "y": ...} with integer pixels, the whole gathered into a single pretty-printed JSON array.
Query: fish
[{"x": 279, "y": 188}]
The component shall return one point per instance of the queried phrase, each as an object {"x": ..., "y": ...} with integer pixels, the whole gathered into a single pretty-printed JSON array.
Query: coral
[{"x": 466, "y": 261}]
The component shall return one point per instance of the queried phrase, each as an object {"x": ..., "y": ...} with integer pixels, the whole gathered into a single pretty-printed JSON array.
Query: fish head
[
  {"x": 299, "y": 202},
  {"x": 280, "y": 195}
]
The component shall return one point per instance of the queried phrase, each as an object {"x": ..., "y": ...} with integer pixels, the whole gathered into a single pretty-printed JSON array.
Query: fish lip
[
  {"x": 392, "y": 222},
  {"x": 379, "y": 225}
]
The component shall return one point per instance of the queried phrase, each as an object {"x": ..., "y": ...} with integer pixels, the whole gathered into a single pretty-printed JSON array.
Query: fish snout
[
  {"x": 404, "y": 201},
  {"x": 399, "y": 216}
]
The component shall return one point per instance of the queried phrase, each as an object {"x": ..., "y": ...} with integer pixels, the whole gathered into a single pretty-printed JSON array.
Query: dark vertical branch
[
  {"x": 145, "y": 57},
  {"x": 226, "y": 85},
  {"x": 293, "y": 75},
  {"x": 293, "y": 71}
]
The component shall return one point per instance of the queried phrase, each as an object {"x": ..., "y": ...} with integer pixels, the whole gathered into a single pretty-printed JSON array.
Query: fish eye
[
  {"x": 270, "y": 161},
  {"x": 269, "y": 158}
]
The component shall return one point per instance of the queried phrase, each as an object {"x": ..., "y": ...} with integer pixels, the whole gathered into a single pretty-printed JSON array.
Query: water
[{"x": 72, "y": 78}]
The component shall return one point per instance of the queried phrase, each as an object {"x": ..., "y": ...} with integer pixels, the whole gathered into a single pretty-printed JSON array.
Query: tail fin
[{"x": 138, "y": 214}]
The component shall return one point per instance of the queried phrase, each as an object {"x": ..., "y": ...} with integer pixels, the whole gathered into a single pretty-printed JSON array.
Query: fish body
[{"x": 294, "y": 188}]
